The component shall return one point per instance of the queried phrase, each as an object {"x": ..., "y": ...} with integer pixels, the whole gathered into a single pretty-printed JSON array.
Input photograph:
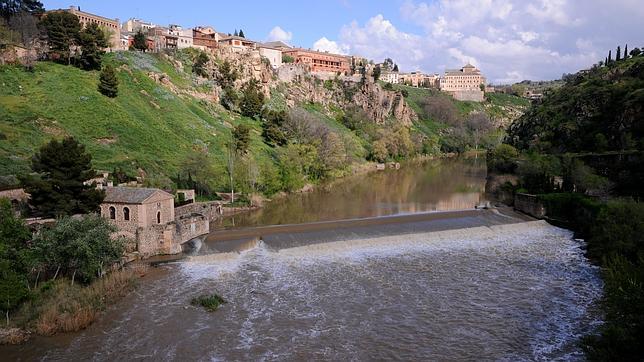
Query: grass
[
  {"x": 210, "y": 302},
  {"x": 58, "y": 306}
]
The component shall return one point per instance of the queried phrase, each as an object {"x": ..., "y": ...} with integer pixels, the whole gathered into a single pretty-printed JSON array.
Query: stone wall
[
  {"x": 469, "y": 95},
  {"x": 529, "y": 204},
  {"x": 191, "y": 226},
  {"x": 14, "y": 195},
  {"x": 158, "y": 240},
  {"x": 210, "y": 210}
]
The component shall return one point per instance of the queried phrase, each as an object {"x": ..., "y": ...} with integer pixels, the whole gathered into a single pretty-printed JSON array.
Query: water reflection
[{"x": 437, "y": 185}]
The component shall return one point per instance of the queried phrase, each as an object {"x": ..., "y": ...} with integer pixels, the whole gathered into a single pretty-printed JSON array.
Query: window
[
  {"x": 112, "y": 213},
  {"x": 126, "y": 213},
  {"x": 158, "y": 217}
]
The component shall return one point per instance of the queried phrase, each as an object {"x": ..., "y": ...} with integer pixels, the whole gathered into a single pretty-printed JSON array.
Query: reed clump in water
[
  {"x": 60, "y": 306},
  {"x": 210, "y": 302}
]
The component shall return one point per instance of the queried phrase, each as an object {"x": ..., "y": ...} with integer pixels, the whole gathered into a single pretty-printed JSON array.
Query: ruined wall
[
  {"x": 210, "y": 210},
  {"x": 190, "y": 227}
]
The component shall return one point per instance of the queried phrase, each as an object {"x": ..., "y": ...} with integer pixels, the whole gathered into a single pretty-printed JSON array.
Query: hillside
[{"x": 596, "y": 110}]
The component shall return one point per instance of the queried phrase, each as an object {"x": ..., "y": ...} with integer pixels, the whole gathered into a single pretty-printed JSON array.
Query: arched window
[
  {"x": 126, "y": 213},
  {"x": 158, "y": 217},
  {"x": 112, "y": 213}
]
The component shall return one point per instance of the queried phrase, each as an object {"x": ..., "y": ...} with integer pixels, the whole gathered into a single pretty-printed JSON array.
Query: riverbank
[{"x": 59, "y": 306}]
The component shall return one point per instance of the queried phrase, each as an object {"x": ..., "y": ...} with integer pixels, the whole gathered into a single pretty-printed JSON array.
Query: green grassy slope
[{"x": 146, "y": 126}]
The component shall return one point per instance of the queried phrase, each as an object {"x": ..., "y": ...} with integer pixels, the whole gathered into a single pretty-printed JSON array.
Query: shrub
[
  {"x": 619, "y": 230},
  {"x": 502, "y": 159},
  {"x": 210, "y": 302}
]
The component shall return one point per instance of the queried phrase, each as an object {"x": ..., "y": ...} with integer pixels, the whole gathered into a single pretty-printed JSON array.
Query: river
[{"x": 481, "y": 286}]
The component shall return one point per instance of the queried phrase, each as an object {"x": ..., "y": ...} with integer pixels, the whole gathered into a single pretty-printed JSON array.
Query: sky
[{"x": 509, "y": 40}]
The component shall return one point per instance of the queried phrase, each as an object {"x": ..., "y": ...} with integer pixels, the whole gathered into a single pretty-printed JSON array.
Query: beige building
[
  {"x": 464, "y": 83},
  {"x": 133, "y": 25},
  {"x": 390, "y": 77},
  {"x": 237, "y": 43},
  {"x": 184, "y": 37},
  {"x": 112, "y": 25},
  {"x": 273, "y": 55}
]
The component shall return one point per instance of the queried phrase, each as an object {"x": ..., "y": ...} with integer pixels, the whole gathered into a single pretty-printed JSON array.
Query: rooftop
[{"x": 131, "y": 195}]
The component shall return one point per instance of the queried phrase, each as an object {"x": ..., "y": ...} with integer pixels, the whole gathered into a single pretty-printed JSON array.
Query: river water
[{"x": 505, "y": 291}]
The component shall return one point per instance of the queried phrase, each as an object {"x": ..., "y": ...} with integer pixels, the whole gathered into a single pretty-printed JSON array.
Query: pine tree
[
  {"x": 63, "y": 32},
  {"x": 92, "y": 41},
  {"x": 241, "y": 34},
  {"x": 109, "y": 84},
  {"x": 140, "y": 41},
  {"x": 395, "y": 67},
  {"x": 63, "y": 168},
  {"x": 618, "y": 54},
  {"x": 236, "y": 33},
  {"x": 626, "y": 51},
  {"x": 252, "y": 100}
]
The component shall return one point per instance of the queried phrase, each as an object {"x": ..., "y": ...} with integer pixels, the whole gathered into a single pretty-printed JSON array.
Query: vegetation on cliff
[{"x": 580, "y": 150}]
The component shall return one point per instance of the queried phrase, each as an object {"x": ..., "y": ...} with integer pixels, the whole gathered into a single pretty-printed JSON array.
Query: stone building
[
  {"x": 147, "y": 216},
  {"x": 390, "y": 77},
  {"x": 133, "y": 25},
  {"x": 113, "y": 25},
  {"x": 184, "y": 37},
  {"x": 464, "y": 83},
  {"x": 205, "y": 37},
  {"x": 321, "y": 61}
]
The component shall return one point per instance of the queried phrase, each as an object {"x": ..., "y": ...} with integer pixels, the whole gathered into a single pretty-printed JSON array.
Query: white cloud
[
  {"x": 279, "y": 34},
  {"x": 325, "y": 45},
  {"x": 507, "y": 39}
]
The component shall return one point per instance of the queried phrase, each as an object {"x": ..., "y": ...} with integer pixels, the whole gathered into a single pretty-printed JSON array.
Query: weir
[{"x": 294, "y": 235}]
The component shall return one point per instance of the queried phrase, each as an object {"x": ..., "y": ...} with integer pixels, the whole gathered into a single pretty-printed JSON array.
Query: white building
[
  {"x": 390, "y": 77},
  {"x": 273, "y": 55},
  {"x": 133, "y": 25},
  {"x": 184, "y": 36}
]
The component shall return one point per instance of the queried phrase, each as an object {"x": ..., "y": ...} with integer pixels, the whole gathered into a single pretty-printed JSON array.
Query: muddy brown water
[{"x": 474, "y": 285}]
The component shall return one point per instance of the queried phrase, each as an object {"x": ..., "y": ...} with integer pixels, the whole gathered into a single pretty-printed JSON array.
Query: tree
[
  {"x": 140, "y": 41},
  {"x": 252, "y": 99},
  {"x": 63, "y": 168},
  {"x": 92, "y": 41},
  {"x": 9, "y": 8},
  {"x": 14, "y": 236},
  {"x": 199, "y": 66},
  {"x": 80, "y": 248},
  {"x": 63, "y": 32},
  {"x": 610, "y": 57},
  {"x": 241, "y": 138},
  {"x": 108, "y": 83},
  {"x": 626, "y": 51},
  {"x": 379, "y": 151},
  {"x": 241, "y": 34},
  {"x": 395, "y": 68},
  {"x": 272, "y": 123},
  {"x": 287, "y": 58},
  {"x": 618, "y": 54},
  {"x": 230, "y": 167},
  {"x": 376, "y": 73},
  {"x": 236, "y": 33}
]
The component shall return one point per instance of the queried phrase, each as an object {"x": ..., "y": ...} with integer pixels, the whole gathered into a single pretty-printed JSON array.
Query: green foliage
[
  {"x": 287, "y": 59},
  {"x": 92, "y": 41},
  {"x": 538, "y": 172},
  {"x": 108, "y": 82},
  {"x": 241, "y": 33},
  {"x": 81, "y": 248},
  {"x": 272, "y": 123},
  {"x": 140, "y": 41},
  {"x": 199, "y": 66},
  {"x": 63, "y": 32},
  {"x": 229, "y": 98},
  {"x": 210, "y": 302},
  {"x": 227, "y": 75},
  {"x": 388, "y": 86},
  {"x": 600, "y": 108},
  {"x": 241, "y": 138},
  {"x": 9, "y": 8},
  {"x": 13, "y": 239},
  {"x": 376, "y": 73},
  {"x": 619, "y": 230},
  {"x": 252, "y": 100},
  {"x": 63, "y": 167},
  {"x": 503, "y": 158}
]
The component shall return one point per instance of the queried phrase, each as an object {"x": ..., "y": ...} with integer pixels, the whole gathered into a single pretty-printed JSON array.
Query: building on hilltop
[
  {"x": 390, "y": 77},
  {"x": 183, "y": 36},
  {"x": 465, "y": 84},
  {"x": 273, "y": 55},
  {"x": 133, "y": 25},
  {"x": 113, "y": 25},
  {"x": 279, "y": 45},
  {"x": 205, "y": 37},
  {"x": 237, "y": 43},
  {"x": 321, "y": 61},
  {"x": 147, "y": 216}
]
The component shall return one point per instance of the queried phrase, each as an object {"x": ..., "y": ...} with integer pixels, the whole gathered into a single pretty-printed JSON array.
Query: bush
[
  {"x": 502, "y": 159},
  {"x": 210, "y": 302},
  {"x": 619, "y": 230}
]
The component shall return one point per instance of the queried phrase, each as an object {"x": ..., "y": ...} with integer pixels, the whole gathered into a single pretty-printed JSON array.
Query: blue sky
[{"x": 509, "y": 40}]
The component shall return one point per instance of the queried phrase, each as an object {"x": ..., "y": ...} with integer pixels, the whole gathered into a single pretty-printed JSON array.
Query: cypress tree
[
  {"x": 241, "y": 34},
  {"x": 626, "y": 51},
  {"x": 236, "y": 33},
  {"x": 610, "y": 56},
  {"x": 618, "y": 54},
  {"x": 108, "y": 85}
]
